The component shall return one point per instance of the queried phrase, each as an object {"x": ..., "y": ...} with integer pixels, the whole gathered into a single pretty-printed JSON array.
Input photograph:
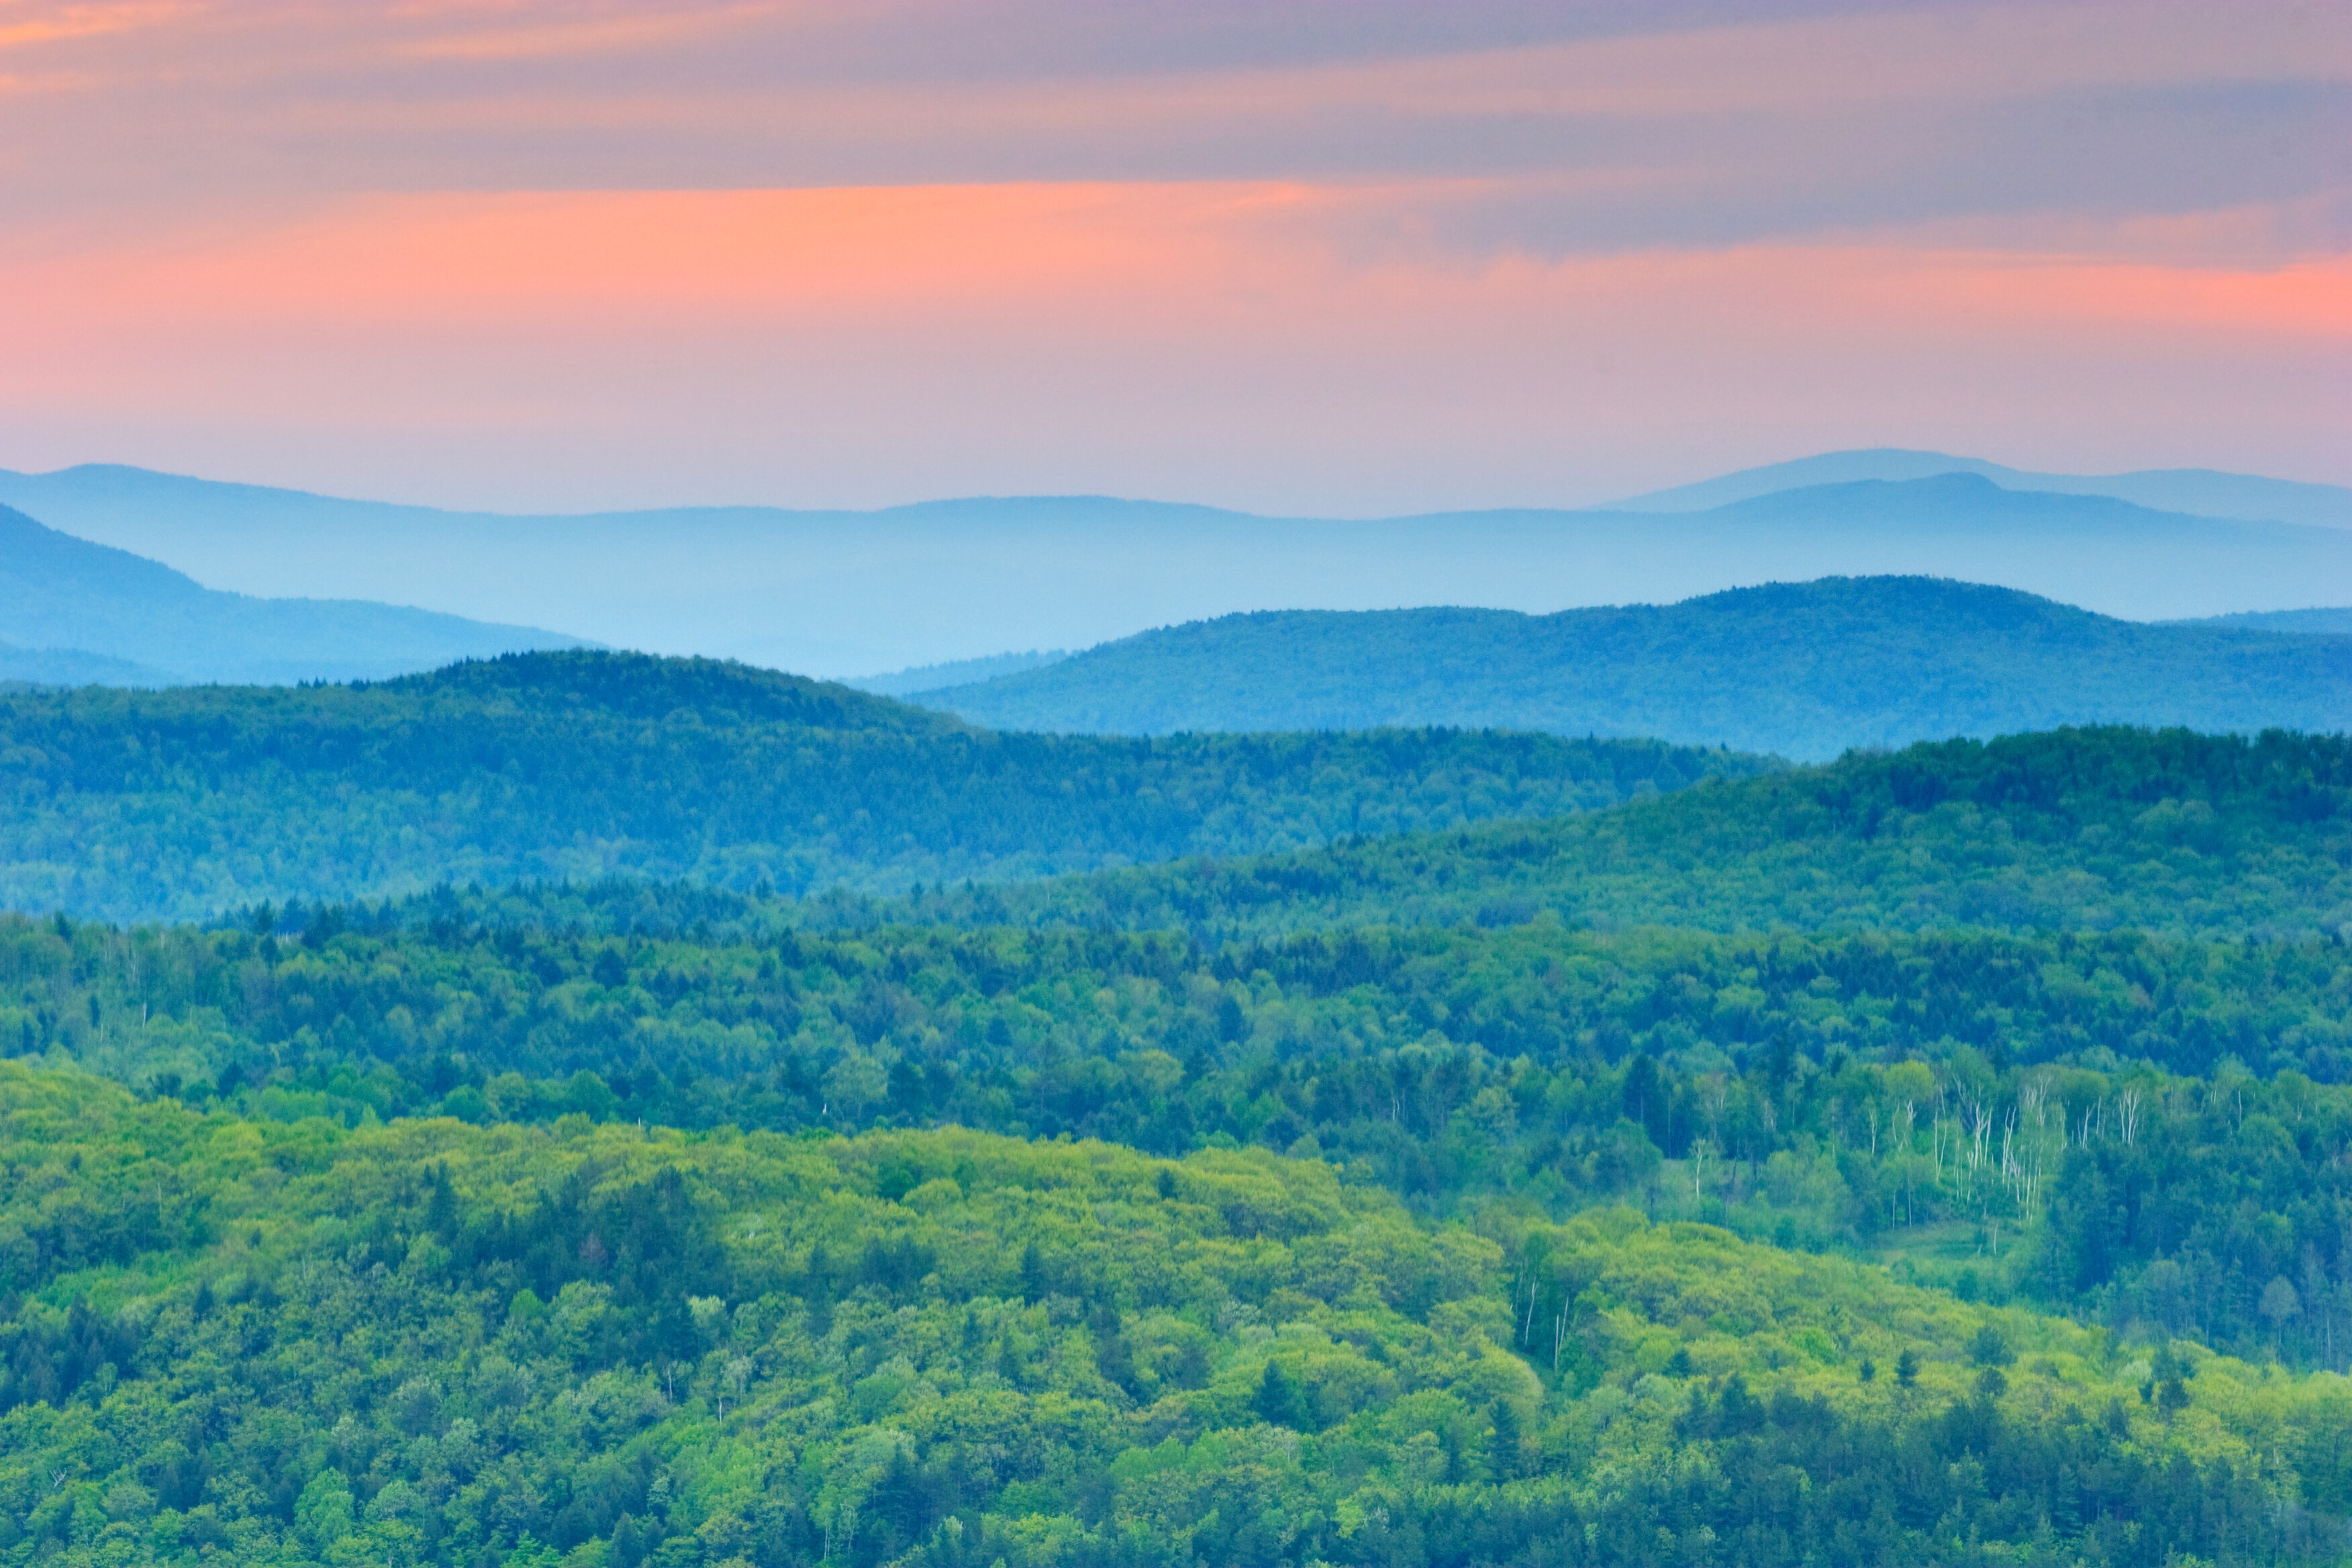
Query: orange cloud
[
  {"x": 55, "y": 24},
  {"x": 569, "y": 34},
  {"x": 1234, "y": 341},
  {"x": 934, "y": 249}
]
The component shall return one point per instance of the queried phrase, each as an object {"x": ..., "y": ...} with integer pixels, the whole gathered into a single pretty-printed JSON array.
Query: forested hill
[
  {"x": 1803, "y": 670},
  {"x": 581, "y": 764},
  {"x": 2072, "y": 830}
]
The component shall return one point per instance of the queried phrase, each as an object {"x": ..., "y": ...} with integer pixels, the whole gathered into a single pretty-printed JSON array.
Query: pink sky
[{"x": 1346, "y": 258}]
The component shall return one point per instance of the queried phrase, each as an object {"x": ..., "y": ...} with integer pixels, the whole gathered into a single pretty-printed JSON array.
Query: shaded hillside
[
  {"x": 2076, "y": 830},
  {"x": 585, "y": 764},
  {"x": 71, "y": 666},
  {"x": 1805, "y": 670},
  {"x": 97, "y": 604}
]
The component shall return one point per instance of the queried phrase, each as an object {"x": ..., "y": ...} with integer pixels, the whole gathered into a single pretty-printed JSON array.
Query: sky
[{"x": 1342, "y": 257}]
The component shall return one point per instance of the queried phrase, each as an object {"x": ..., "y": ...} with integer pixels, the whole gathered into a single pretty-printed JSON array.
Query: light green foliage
[
  {"x": 430, "y": 1343},
  {"x": 2077, "y": 1119}
]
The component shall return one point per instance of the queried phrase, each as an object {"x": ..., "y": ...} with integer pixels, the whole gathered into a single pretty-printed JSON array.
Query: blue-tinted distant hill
[
  {"x": 1805, "y": 670},
  {"x": 579, "y": 765},
  {"x": 2313, "y": 622},
  {"x": 955, "y": 672},
  {"x": 84, "y": 613},
  {"x": 2202, "y": 492},
  {"x": 72, "y": 667},
  {"x": 847, "y": 593}
]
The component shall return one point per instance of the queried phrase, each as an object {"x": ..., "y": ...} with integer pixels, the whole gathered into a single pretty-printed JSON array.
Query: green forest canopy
[
  {"x": 2074, "y": 831},
  {"x": 2086, "y": 1122},
  {"x": 1979, "y": 1189},
  {"x": 179, "y": 804},
  {"x": 252, "y": 1341}
]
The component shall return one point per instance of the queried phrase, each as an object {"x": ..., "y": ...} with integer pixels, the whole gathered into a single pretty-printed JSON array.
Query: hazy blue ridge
[
  {"x": 72, "y": 667},
  {"x": 60, "y": 592},
  {"x": 2202, "y": 492},
  {"x": 852, "y": 592},
  {"x": 954, "y": 672},
  {"x": 1804, "y": 670}
]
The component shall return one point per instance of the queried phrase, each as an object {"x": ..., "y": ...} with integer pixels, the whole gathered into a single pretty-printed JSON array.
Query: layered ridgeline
[
  {"x": 1804, "y": 670},
  {"x": 182, "y": 803},
  {"x": 2082, "y": 1122},
  {"x": 78, "y": 612},
  {"x": 840, "y": 593},
  {"x": 251, "y": 1342},
  {"x": 2081, "y": 830}
]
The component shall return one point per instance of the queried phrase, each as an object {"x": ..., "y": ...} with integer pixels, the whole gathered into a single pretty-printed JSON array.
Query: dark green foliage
[
  {"x": 1800, "y": 670},
  {"x": 1277, "y": 1401},
  {"x": 184, "y": 803},
  {"x": 2078, "y": 830}
]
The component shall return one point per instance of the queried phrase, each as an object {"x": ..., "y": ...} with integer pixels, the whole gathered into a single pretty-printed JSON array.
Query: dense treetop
[
  {"x": 182, "y": 803},
  {"x": 2076, "y": 829},
  {"x": 246, "y": 1341},
  {"x": 2125, "y": 1126}
]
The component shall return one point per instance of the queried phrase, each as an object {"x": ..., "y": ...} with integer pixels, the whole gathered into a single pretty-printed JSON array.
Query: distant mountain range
[
  {"x": 1804, "y": 670},
  {"x": 74, "y": 613},
  {"x": 2201, "y": 492},
  {"x": 845, "y": 593}
]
